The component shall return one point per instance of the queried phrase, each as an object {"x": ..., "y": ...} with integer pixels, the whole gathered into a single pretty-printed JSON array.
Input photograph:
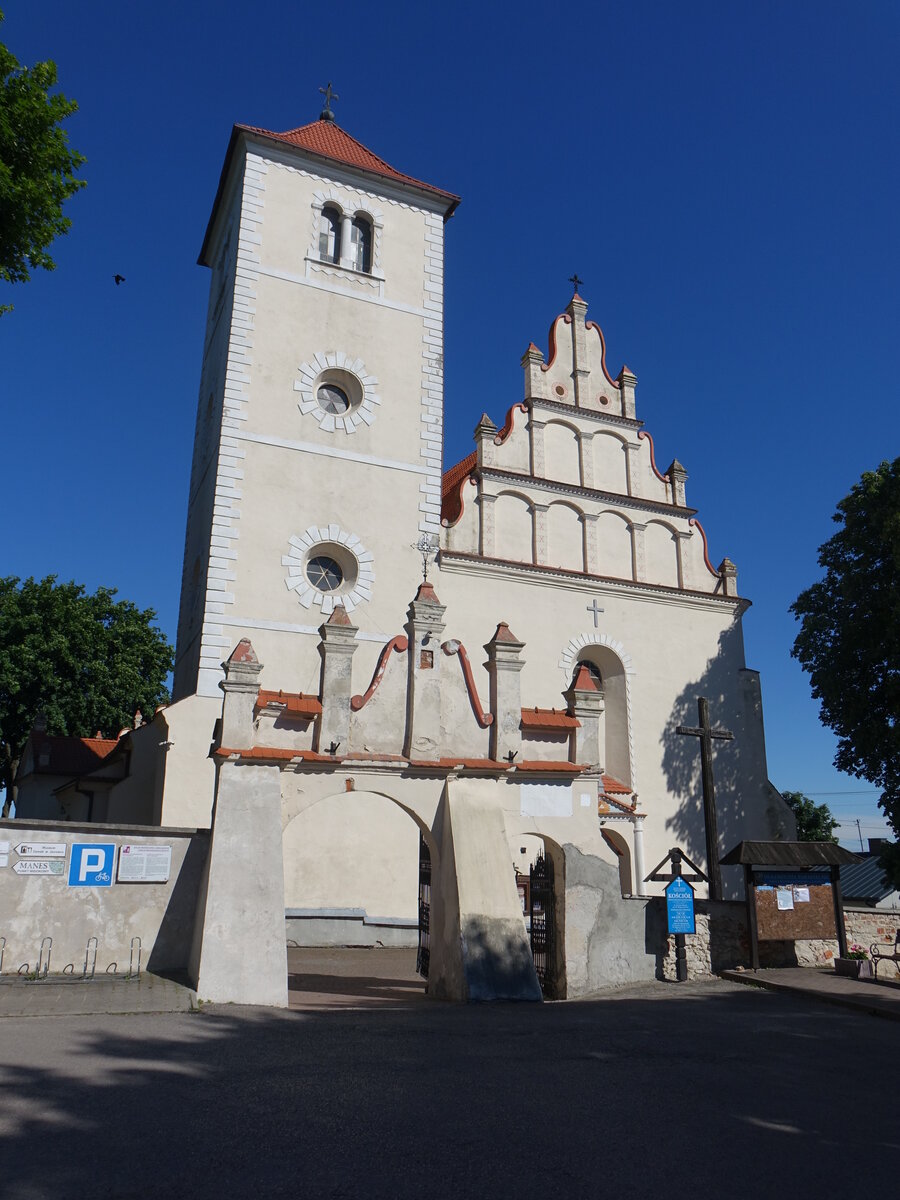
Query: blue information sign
[{"x": 680, "y": 906}]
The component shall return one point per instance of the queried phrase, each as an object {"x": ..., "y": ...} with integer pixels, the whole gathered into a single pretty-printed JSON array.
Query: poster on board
[{"x": 144, "y": 864}]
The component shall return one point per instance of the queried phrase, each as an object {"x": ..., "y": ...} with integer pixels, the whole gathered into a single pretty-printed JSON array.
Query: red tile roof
[
  {"x": 451, "y": 500},
  {"x": 243, "y": 653},
  {"x": 427, "y": 592},
  {"x": 549, "y": 767},
  {"x": 548, "y": 718},
  {"x": 339, "y": 616},
  {"x": 294, "y": 704},
  {"x": 327, "y": 140},
  {"x": 69, "y": 755},
  {"x": 584, "y": 680},
  {"x": 613, "y": 787}
]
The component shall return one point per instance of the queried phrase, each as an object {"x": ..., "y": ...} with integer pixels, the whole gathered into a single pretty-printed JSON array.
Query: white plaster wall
[
  {"x": 614, "y": 546},
  {"x": 676, "y": 649},
  {"x": 352, "y": 850},
  {"x": 565, "y": 537},
  {"x": 610, "y": 463},
  {"x": 661, "y": 555},
  {"x": 561, "y": 452},
  {"x": 513, "y": 528},
  {"x": 35, "y": 907}
]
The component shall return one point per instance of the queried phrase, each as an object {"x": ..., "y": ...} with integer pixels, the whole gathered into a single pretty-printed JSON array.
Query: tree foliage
[
  {"x": 814, "y": 821},
  {"x": 86, "y": 661},
  {"x": 849, "y": 639},
  {"x": 37, "y": 167}
]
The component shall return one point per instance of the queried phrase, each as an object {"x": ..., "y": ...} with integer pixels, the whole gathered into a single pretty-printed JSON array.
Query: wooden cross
[
  {"x": 595, "y": 609},
  {"x": 706, "y": 733},
  {"x": 573, "y": 279}
]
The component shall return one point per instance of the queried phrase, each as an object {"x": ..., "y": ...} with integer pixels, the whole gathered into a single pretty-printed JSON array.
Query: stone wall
[
  {"x": 722, "y": 942},
  {"x": 38, "y": 906}
]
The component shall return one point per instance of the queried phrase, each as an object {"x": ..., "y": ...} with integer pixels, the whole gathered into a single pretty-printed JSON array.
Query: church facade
[{"x": 519, "y": 702}]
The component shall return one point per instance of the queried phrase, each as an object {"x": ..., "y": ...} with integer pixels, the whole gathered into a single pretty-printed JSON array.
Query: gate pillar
[{"x": 479, "y": 944}]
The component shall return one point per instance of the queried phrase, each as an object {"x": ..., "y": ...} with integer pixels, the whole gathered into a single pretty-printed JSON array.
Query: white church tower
[{"x": 317, "y": 452}]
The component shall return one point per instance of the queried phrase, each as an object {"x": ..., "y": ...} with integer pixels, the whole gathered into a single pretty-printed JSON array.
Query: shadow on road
[{"x": 713, "y": 1087}]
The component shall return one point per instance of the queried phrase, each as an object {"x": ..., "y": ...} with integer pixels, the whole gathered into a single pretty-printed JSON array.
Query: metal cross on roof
[
  {"x": 573, "y": 279},
  {"x": 427, "y": 546},
  {"x": 330, "y": 94}
]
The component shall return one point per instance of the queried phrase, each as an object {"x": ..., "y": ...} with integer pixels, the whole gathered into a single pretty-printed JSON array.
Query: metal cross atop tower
[
  {"x": 573, "y": 279},
  {"x": 427, "y": 546},
  {"x": 330, "y": 94},
  {"x": 706, "y": 733}
]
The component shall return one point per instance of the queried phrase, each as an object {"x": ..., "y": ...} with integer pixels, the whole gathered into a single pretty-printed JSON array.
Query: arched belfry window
[
  {"x": 330, "y": 235},
  {"x": 361, "y": 244}
]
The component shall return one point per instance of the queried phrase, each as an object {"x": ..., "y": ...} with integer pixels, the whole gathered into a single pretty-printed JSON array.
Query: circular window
[
  {"x": 324, "y": 573},
  {"x": 337, "y": 391},
  {"x": 332, "y": 399},
  {"x": 327, "y": 565}
]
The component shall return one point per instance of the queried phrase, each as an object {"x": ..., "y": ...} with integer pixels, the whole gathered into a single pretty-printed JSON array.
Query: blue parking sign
[{"x": 91, "y": 864}]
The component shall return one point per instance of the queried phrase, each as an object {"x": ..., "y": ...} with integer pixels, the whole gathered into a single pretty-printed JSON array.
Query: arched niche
[
  {"x": 513, "y": 528},
  {"x": 610, "y": 463},
  {"x": 615, "y": 553},
  {"x": 620, "y": 848},
  {"x": 565, "y": 537},
  {"x": 562, "y": 459},
  {"x": 615, "y": 731},
  {"x": 660, "y": 554}
]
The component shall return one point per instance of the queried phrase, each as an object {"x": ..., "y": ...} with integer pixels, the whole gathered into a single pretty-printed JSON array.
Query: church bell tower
[{"x": 317, "y": 450}]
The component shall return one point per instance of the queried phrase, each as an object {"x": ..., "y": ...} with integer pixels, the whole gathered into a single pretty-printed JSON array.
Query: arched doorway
[
  {"x": 544, "y": 909},
  {"x": 352, "y": 864}
]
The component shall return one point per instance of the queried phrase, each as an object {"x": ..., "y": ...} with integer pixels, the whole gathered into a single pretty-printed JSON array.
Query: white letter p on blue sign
[{"x": 91, "y": 864}]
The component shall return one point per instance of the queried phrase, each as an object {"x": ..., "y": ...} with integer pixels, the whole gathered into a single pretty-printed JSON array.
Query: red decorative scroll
[
  {"x": 399, "y": 645},
  {"x": 642, "y": 433},
  {"x": 502, "y": 434},
  {"x": 484, "y": 719},
  {"x": 712, "y": 570}
]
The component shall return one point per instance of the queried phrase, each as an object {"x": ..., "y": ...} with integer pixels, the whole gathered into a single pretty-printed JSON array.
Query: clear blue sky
[{"x": 724, "y": 177}]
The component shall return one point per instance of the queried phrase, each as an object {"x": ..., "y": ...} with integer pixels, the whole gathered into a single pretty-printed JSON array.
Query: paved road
[{"x": 701, "y": 1089}]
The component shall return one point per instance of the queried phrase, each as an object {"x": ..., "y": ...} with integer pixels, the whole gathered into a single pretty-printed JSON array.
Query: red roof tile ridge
[{"x": 329, "y": 140}]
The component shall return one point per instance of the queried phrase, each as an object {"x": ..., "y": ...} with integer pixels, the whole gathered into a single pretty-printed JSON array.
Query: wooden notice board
[{"x": 807, "y": 918}]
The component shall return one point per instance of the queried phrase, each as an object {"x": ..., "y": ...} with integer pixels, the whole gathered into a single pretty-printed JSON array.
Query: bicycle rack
[
  {"x": 43, "y": 967},
  {"x": 90, "y": 955}
]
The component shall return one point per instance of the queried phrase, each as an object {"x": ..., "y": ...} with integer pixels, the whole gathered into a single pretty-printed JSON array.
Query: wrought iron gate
[
  {"x": 423, "y": 953},
  {"x": 541, "y": 911}
]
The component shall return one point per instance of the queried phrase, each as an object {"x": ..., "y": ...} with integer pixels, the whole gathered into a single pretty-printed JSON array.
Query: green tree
[
  {"x": 814, "y": 821},
  {"x": 85, "y": 661},
  {"x": 37, "y": 167},
  {"x": 849, "y": 639}
]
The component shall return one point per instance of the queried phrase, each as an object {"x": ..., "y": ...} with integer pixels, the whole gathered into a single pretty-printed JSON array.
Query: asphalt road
[{"x": 700, "y": 1089}]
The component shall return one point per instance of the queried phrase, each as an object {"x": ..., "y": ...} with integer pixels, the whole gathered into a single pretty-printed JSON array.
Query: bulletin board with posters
[{"x": 794, "y": 905}]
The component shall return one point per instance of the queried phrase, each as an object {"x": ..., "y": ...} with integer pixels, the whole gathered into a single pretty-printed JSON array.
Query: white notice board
[{"x": 144, "y": 864}]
